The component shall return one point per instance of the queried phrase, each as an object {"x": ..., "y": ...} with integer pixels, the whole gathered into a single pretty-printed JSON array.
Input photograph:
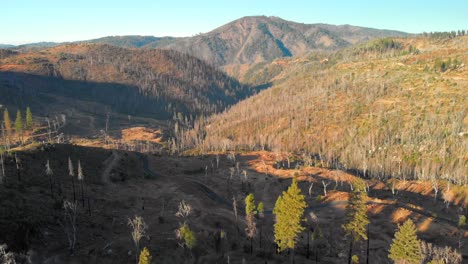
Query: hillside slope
[
  {"x": 250, "y": 39},
  {"x": 256, "y": 39},
  {"x": 156, "y": 83},
  {"x": 389, "y": 107}
]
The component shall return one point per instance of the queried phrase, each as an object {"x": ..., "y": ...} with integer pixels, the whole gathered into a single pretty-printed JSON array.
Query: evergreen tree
[
  {"x": 29, "y": 118},
  {"x": 406, "y": 247},
  {"x": 260, "y": 209},
  {"x": 356, "y": 215},
  {"x": 7, "y": 121},
  {"x": 19, "y": 124},
  {"x": 289, "y": 211},
  {"x": 250, "y": 204},
  {"x": 145, "y": 256},
  {"x": 250, "y": 218},
  {"x": 187, "y": 236}
]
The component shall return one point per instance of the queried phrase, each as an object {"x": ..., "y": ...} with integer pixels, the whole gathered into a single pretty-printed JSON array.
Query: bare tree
[
  {"x": 232, "y": 157},
  {"x": 6, "y": 140},
  {"x": 231, "y": 173},
  {"x": 394, "y": 190},
  {"x": 234, "y": 207},
  {"x": 49, "y": 130},
  {"x": 3, "y": 179},
  {"x": 69, "y": 223},
  {"x": 244, "y": 173},
  {"x": 184, "y": 210},
  {"x": 139, "y": 227},
  {"x": 444, "y": 255},
  {"x": 435, "y": 186},
  {"x": 50, "y": 173},
  {"x": 81, "y": 179},
  {"x": 325, "y": 184},
  {"x": 107, "y": 127},
  {"x": 6, "y": 257},
  {"x": 71, "y": 173},
  {"x": 310, "y": 189},
  {"x": 18, "y": 167}
]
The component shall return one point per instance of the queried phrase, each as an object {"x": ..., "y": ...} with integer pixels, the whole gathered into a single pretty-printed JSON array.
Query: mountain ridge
[{"x": 250, "y": 39}]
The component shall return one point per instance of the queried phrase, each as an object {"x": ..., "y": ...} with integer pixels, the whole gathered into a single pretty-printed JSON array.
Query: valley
[{"x": 261, "y": 141}]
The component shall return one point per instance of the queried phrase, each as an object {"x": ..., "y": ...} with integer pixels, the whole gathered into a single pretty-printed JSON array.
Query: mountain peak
[{"x": 252, "y": 39}]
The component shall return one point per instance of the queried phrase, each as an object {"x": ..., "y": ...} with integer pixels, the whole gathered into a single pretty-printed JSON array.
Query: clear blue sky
[{"x": 24, "y": 21}]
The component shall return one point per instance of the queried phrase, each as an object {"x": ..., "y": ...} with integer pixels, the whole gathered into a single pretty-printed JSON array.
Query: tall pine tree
[
  {"x": 29, "y": 118},
  {"x": 356, "y": 215},
  {"x": 406, "y": 247},
  {"x": 289, "y": 211},
  {"x": 250, "y": 218},
  {"x": 7, "y": 121}
]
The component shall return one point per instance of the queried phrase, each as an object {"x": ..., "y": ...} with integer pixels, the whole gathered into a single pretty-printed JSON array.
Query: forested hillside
[
  {"x": 387, "y": 108},
  {"x": 156, "y": 83}
]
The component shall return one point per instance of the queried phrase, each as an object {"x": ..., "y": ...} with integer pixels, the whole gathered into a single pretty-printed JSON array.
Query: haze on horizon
[{"x": 30, "y": 21}]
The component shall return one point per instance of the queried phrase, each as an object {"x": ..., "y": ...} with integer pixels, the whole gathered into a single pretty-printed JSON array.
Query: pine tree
[
  {"x": 356, "y": 215},
  {"x": 29, "y": 118},
  {"x": 406, "y": 247},
  {"x": 19, "y": 124},
  {"x": 187, "y": 236},
  {"x": 145, "y": 256},
  {"x": 250, "y": 204},
  {"x": 7, "y": 121},
  {"x": 289, "y": 211},
  {"x": 250, "y": 218}
]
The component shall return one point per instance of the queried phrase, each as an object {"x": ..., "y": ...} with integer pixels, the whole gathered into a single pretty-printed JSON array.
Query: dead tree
[
  {"x": 184, "y": 211},
  {"x": 325, "y": 184},
  {"x": 234, "y": 208},
  {"x": 18, "y": 167},
  {"x": 139, "y": 227},
  {"x": 49, "y": 130},
  {"x": 69, "y": 223},
  {"x": 3, "y": 179},
  {"x": 6, "y": 140},
  {"x": 394, "y": 191},
  {"x": 310, "y": 189},
  {"x": 50, "y": 173},
  {"x": 435, "y": 186},
  {"x": 107, "y": 128},
  {"x": 81, "y": 179},
  {"x": 71, "y": 173}
]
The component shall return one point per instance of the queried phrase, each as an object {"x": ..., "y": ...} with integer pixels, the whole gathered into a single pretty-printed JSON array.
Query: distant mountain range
[{"x": 249, "y": 40}]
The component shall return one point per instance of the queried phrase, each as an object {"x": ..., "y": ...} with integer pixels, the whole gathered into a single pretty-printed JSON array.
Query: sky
[{"x": 26, "y": 21}]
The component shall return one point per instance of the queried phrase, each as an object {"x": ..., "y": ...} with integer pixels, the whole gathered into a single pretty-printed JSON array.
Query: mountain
[
  {"x": 6, "y": 46},
  {"x": 250, "y": 40},
  {"x": 143, "y": 82},
  {"x": 132, "y": 41},
  {"x": 42, "y": 44},
  {"x": 260, "y": 38},
  {"x": 390, "y": 107}
]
